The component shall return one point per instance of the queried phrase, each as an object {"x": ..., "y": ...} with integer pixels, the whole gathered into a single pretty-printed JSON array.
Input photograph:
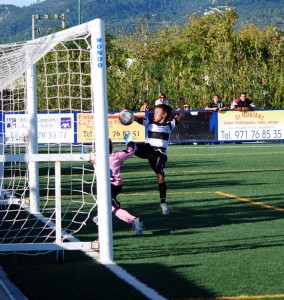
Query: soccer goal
[{"x": 53, "y": 112}]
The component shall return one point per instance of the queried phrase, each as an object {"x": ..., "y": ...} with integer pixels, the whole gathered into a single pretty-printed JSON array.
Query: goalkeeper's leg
[{"x": 123, "y": 215}]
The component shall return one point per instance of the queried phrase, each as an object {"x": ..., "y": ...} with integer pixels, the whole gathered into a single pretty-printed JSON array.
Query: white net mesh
[
  {"x": 63, "y": 92},
  {"x": 16, "y": 58}
]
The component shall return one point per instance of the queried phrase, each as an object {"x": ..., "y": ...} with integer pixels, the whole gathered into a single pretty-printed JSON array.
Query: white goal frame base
[{"x": 85, "y": 246}]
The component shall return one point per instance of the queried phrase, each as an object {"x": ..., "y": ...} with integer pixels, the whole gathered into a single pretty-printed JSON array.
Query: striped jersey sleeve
[{"x": 158, "y": 134}]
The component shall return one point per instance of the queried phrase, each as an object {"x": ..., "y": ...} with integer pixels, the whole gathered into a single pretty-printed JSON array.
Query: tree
[{"x": 206, "y": 57}]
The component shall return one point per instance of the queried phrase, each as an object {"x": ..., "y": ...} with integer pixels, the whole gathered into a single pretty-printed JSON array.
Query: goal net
[{"x": 53, "y": 112}]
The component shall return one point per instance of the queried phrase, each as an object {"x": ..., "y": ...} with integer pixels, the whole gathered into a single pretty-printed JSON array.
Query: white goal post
[{"x": 53, "y": 93}]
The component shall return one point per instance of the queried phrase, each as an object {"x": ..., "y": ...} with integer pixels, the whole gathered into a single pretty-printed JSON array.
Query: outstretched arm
[
  {"x": 211, "y": 108},
  {"x": 181, "y": 114},
  {"x": 223, "y": 108}
]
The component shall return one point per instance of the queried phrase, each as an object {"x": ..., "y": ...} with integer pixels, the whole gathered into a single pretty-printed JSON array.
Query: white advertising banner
[
  {"x": 52, "y": 128},
  {"x": 251, "y": 125}
]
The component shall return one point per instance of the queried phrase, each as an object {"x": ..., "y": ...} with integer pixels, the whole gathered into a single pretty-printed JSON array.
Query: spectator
[
  {"x": 216, "y": 104},
  {"x": 146, "y": 106},
  {"x": 242, "y": 103},
  {"x": 162, "y": 100},
  {"x": 186, "y": 106}
]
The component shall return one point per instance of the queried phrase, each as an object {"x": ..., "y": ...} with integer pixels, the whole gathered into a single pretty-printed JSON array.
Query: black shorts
[{"x": 155, "y": 156}]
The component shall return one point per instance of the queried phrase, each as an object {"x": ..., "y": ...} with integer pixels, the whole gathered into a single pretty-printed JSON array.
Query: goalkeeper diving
[{"x": 115, "y": 160}]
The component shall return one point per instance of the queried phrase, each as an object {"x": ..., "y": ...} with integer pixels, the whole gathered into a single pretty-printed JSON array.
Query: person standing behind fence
[
  {"x": 162, "y": 100},
  {"x": 185, "y": 107},
  {"x": 146, "y": 106},
  {"x": 158, "y": 133},
  {"x": 242, "y": 103},
  {"x": 216, "y": 104}
]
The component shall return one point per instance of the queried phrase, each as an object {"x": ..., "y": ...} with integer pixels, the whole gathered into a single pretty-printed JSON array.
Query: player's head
[
  {"x": 110, "y": 145},
  {"x": 162, "y": 113}
]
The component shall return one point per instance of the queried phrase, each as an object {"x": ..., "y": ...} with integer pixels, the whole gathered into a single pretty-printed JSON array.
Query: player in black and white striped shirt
[{"x": 158, "y": 132}]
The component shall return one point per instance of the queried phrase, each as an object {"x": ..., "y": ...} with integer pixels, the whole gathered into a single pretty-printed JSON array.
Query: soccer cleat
[
  {"x": 96, "y": 220},
  {"x": 137, "y": 226},
  {"x": 165, "y": 208}
]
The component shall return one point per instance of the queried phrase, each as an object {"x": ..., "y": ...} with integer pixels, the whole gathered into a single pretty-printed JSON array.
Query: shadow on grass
[
  {"x": 166, "y": 281},
  {"x": 177, "y": 234},
  {"x": 80, "y": 277}
]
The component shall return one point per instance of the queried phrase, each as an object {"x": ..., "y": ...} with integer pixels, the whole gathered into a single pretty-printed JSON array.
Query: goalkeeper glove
[{"x": 128, "y": 138}]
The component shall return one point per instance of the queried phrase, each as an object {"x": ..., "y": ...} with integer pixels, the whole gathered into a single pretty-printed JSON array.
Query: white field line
[
  {"x": 118, "y": 271},
  {"x": 128, "y": 278}
]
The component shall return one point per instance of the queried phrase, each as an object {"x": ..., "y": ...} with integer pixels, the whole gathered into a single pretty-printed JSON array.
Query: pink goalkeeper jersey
[{"x": 115, "y": 161}]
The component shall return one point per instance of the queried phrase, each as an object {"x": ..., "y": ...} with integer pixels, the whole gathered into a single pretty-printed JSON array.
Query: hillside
[{"x": 15, "y": 22}]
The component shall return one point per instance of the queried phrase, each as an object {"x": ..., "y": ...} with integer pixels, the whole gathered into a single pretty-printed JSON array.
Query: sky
[{"x": 18, "y": 2}]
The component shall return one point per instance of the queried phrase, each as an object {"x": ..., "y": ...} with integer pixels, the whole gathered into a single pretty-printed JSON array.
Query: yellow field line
[
  {"x": 178, "y": 171},
  {"x": 223, "y": 154},
  {"x": 258, "y": 203},
  {"x": 242, "y": 297},
  {"x": 251, "y": 202},
  {"x": 168, "y": 193},
  {"x": 269, "y": 296},
  {"x": 205, "y": 171}
]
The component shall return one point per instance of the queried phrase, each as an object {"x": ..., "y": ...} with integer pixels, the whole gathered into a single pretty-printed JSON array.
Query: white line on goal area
[
  {"x": 129, "y": 279},
  {"x": 114, "y": 268},
  {"x": 86, "y": 248},
  {"x": 8, "y": 291},
  {"x": 72, "y": 241}
]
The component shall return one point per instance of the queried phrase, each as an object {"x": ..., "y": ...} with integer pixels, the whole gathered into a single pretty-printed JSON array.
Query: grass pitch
[{"x": 222, "y": 240}]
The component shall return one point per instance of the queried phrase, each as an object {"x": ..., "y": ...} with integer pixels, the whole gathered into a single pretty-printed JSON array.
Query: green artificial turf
[{"x": 222, "y": 240}]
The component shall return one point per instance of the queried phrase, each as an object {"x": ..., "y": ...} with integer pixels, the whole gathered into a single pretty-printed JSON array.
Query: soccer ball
[{"x": 126, "y": 117}]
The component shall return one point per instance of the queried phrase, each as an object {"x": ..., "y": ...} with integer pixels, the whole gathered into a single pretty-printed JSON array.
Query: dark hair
[
  {"x": 110, "y": 145},
  {"x": 166, "y": 108}
]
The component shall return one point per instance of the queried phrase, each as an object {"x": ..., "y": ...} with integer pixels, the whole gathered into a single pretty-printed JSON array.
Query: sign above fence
[
  {"x": 251, "y": 125},
  {"x": 52, "y": 128},
  {"x": 68, "y": 128},
  {"x": 85, "y": 133},
  {"x": 198, "y": 126}
]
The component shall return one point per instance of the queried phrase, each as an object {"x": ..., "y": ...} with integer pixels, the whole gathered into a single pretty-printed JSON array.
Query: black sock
[{"x": 163, "y": 192}]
